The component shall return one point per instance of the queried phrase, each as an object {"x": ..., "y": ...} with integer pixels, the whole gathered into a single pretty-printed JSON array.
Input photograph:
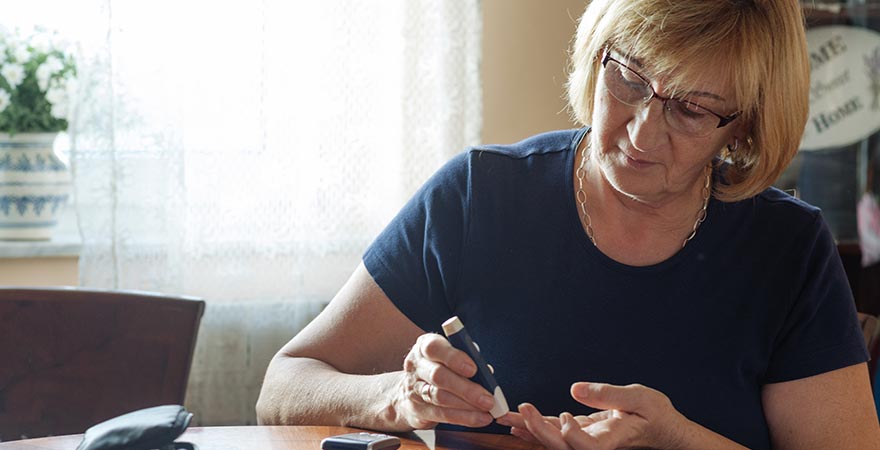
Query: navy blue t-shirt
[{"x": 758, "y": 296}]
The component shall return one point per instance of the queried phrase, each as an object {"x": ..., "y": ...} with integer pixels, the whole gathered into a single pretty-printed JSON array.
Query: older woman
[{"x": 637, "y": 279}]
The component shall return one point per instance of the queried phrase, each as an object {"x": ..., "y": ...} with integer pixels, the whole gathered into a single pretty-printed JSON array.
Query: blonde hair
[{"x": 760, "y": 44}]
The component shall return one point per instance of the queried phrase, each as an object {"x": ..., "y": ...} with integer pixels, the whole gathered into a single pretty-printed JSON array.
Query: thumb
[{"x": 632, "y": 398}]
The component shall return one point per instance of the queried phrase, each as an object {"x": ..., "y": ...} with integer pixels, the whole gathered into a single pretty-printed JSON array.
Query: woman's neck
[{"x": 632, "y": 230}]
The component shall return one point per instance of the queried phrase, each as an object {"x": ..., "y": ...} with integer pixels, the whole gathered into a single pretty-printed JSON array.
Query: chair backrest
[{"x": 72, "y": 357}]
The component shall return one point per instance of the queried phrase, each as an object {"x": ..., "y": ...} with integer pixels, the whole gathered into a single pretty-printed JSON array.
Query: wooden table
[{"x": 296, "y": 438}]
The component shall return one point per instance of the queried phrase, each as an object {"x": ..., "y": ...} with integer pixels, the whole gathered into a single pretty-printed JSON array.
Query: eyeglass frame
[{"x": 722, "y": 120}]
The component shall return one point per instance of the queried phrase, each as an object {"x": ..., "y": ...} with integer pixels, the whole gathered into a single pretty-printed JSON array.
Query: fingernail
[
  {"x": 502, "y": 421},
  {"x": 581, "y": 389},
  {"x": 522, "y": 433},
  {"x": 467, "y": 368},
  {"x": 487, "y": 402}
]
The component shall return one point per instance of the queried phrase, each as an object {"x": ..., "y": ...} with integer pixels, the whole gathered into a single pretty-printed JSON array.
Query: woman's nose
[{"x": 648, "y": 128}]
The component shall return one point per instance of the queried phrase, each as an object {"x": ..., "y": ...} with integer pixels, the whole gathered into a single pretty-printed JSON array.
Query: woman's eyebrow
[
  {"x": 706, "y": 94},
  {"x": 637, "y": 62},
  {"x": 630, "y": 59}
]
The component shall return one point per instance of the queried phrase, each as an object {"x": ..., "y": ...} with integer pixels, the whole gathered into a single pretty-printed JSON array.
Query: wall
[
  {"x": 44, "y": 263},
  {"x": 39, "y": 271},
  {"x": 525, "y": 51}
]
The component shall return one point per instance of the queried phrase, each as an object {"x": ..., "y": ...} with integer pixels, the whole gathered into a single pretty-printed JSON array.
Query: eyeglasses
[{"x": 629, "y": 87}]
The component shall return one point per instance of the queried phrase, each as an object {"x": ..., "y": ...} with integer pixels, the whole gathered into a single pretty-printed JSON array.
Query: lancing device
[{"x": 460, "y": 339}]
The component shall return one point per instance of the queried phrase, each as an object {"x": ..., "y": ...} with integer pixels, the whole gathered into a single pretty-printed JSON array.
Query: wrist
[
  {"x": 690, "y": 435},
  {"x": 382, "y": 412},
  {"x": 678, "y": 432},
  {"x": 389, "y": 407}
]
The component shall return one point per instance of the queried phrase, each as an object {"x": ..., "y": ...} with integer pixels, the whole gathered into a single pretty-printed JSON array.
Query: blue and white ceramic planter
[{"x": 34, "y": 186}]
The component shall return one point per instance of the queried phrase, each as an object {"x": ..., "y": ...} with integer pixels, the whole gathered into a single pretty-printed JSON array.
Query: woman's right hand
[{"x": 435, "y": 387}]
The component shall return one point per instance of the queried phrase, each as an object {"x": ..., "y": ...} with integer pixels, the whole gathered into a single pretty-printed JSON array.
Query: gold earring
[{"x": 735, "y": 146}]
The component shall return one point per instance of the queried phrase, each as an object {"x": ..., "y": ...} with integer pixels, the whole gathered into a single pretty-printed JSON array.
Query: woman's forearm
[
  {"x": 305, "y": 391},
  {"x": 697, "y": 437}
]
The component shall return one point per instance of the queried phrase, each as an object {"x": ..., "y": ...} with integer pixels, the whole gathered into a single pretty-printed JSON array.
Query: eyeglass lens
[{"x": 627, "y": 86}]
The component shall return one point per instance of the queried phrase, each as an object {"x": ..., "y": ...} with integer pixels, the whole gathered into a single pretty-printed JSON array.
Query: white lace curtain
[{"x": 248, "y": 151}]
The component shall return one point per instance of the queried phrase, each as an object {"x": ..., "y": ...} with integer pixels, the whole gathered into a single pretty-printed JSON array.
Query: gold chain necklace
[{"x": 582, "y": 200}]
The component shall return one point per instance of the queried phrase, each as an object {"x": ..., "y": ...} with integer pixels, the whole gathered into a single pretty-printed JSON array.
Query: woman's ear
[
  {"x": 738, "y": 137},
  {"x": 734, "y": 145}
]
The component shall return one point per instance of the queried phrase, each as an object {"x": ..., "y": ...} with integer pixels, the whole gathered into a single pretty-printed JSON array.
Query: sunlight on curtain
[{"x": 247, "y": 152}]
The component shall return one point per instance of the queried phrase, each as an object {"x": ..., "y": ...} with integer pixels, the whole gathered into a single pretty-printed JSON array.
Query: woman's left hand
[{"x": 629, "y": 416}]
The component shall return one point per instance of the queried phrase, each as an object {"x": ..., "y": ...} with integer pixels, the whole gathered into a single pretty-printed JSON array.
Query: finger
[
  {"x": 464, "y": 417},
  {"x": 620, "y": 429},
  {"x": 429, "y": 393},
  {"x": 545, "y": 432},
  {"x": 512, "y": 419},
  {"x": 584, "y": 421},
  {"x": 515, "y": 419},
  {"x": 575, "y": 436},
  {"x": 630, "y": 398},
  {"x": 453, "y": 390},
  {"x": 436, "y": 348},
  {"x": 425, "y": 391},
  {"x": 524, "y": 434}
]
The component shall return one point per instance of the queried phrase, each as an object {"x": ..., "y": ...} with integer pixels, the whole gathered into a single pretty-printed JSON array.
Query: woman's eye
[
  {"x": 688, "y": 109},
  {"x": 630, "y": 77}
]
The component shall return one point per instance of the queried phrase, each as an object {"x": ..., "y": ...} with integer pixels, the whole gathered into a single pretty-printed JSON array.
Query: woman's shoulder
[
  {"x": 786, "y": 203},
  {"x": 775, "y": 211},
  {"x": 769, "y": 201},
  {"x": 512, "y": 160},
  {"x": 550, "y": 142}
]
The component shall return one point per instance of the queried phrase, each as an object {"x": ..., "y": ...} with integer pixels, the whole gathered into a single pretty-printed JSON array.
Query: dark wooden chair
[{"x": 72, "y": 357}]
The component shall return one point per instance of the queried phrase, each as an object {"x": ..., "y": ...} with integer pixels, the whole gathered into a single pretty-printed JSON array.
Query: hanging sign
[{"x": 844, "y": 86}]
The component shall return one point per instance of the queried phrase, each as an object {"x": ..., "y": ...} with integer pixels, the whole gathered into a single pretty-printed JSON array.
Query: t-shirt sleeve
[
  {"x": 416, "y": 258},
  {"x": 821, "y": 332}
]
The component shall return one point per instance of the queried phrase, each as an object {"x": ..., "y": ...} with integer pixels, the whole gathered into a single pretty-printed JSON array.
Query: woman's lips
[{"x": 638, "y": 163}]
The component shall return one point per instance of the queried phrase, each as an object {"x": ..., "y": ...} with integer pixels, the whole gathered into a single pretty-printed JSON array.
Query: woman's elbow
[
  {"x": 267, "y": 411},
  {"x": 269, "y": 403}
]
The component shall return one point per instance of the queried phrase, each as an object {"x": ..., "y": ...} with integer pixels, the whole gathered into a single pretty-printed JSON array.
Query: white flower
[
  {"x": 62, "y": 44},
  {"x": 47, "y": 70},
  {"x": 4, "y": 99},
  {"x": 53, "y": 63},
  {"x": 56, "y": 95},
  {"x": 59, "y": 43},
  {"x": 14, "y": 74},
  {"x": 59, "y": 111},
  {"x": 41, "y": 43},
  {"x": 51, "y": 67},
  {"x": 44, "y": 72},
  {"x": 21, "y": 54}
]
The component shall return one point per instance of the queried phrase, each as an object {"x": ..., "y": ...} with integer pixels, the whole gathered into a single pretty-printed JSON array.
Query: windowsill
[{"x": 65, "y": 241}]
